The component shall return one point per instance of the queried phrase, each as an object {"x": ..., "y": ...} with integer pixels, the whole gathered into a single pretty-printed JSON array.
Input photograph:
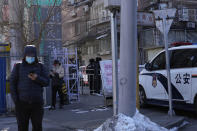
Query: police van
[{"x": 183, "y": 68}]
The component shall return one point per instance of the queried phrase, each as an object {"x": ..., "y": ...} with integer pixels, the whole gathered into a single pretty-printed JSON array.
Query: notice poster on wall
[{"x": 106, "y": 76}]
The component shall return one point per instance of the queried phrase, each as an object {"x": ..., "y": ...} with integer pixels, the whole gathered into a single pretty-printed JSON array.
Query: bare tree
[{"x": 22, "y": 15}]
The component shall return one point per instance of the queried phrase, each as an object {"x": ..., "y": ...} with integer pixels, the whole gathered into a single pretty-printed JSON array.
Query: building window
[
  {"x": 105, "y": 45},
  {"x": 159, "y": 63},
  {"x": 184, "y": 58},
  {"x": 77, "y": 28},
  {"x": 90, "y": 50}
]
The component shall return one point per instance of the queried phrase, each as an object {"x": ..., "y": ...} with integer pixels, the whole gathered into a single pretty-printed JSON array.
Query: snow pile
[{"x": 124, "y": 123}]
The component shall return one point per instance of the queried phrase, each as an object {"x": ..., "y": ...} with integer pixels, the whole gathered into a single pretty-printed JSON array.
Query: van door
[
  {"x": 194, "y": 75},
  {"x": 155, "y": 83},
  {"x": 181, "y": 74}
]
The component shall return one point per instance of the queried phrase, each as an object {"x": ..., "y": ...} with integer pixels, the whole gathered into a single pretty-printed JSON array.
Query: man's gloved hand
[{"x": 56, "y": 75}]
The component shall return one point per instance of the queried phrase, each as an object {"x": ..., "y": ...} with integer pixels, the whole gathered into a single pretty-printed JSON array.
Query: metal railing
[{"x": 90, "y": 83}]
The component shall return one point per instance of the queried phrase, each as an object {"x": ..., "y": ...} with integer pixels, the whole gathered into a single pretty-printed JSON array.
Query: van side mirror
[{"x": 148, "y": 66}]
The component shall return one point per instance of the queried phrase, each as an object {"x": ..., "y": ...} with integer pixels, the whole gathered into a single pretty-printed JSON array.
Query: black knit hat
[
  {"x": 30, "y": 50},
  {"x": 98, "y": 59},
  {"x": 56, "y": 62}
]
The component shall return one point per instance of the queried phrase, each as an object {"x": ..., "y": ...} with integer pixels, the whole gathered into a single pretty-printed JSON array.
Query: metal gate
[
  {"x": 2, "y": 85},
  {"x": 69, "y": 61}
]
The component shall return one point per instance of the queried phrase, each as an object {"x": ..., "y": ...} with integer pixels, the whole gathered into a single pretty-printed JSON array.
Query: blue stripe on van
[{"x": 164, "y": 81}]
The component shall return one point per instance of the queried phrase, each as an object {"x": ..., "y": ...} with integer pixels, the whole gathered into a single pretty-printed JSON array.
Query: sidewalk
[
  {"x": 91, "y": 112},
  {"x": 87, "y": 114}
]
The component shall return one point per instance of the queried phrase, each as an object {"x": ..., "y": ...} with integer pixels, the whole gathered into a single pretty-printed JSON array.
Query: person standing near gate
[
  {"x": 57, "y": 75},
  {"x": 90, "y": 72},
  {"x": 26, "y": 85},
  {"x": 97, "y": 75}
]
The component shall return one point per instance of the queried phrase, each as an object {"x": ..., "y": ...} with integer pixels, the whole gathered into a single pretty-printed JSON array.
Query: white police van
[{"x": 153, "y": 79}]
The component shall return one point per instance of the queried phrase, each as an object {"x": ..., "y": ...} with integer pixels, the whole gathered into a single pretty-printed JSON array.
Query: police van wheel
[{"x": 142, "y": 97}]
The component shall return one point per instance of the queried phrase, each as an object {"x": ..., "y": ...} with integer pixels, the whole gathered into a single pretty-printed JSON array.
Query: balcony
[{"x": 98, "y": 21}]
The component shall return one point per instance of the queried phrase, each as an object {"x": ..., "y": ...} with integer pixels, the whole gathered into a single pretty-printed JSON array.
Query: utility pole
[
  {"x": 114, "y": 7},
  {"x": 114, "y": 45},
  {"x": 128, "y": 55}
]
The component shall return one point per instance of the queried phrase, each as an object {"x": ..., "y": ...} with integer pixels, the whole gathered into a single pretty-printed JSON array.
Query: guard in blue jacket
[{"x": 26, "y": 84}]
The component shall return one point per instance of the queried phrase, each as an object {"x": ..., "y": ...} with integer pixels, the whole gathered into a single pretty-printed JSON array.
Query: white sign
[
  {"x": 160, "y": 15},
  {"x": 106, "y": 75}
]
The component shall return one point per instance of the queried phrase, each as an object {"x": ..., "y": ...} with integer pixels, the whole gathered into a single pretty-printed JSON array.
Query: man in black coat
[
  {"x": 97, "y": 75},
  {"x": 26, "y": 85}
]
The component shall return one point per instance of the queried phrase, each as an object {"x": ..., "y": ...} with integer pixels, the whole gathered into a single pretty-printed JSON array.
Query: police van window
[
  {"x": 183, "y": 58},
  {"x": 159, "y": 62},
  {"x": 194, "y": 58}
]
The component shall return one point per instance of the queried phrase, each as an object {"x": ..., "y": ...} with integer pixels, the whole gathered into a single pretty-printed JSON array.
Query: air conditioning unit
[
  {"x": 110, "y": 4},
  {"x": 86, "y": 8},
  {"x": 183, "y": 14},
  {"x": 104, "y": 53},
  {"x": 73, "y": 14},
  {"x": 71, "y": 1},
  {"x": 191, "y": 25}
]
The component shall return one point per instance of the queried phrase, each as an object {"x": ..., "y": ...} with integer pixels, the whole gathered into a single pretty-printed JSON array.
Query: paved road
[
  {"x": 9, "y": 124},
  {"x": 190, "y": 117},
  {"x": 89, "y": 113}
]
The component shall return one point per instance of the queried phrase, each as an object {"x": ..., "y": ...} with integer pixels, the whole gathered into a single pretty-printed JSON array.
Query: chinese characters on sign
[
  {"x": 106, "y": 75},
  {"x": 186, "y": 78},
  {"x": 145, "y": 19},
  {"x": 183, "y": 79},
  {"x": 178, "y": 78}
]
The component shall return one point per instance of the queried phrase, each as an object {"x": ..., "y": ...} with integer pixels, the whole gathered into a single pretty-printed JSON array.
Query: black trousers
[
  {"x": 97, "y": 83},
  {"x": 26, "y": 112},
  {"x": 91, "y": 84},
  {"x": 56, "y": 89}
]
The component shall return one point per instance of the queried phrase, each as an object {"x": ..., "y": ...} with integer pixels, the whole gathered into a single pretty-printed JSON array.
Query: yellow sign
[{"x": 4, "y": 47}]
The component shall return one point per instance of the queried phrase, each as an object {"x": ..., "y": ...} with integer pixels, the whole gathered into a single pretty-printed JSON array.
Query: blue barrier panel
[{"x": 2, "y": 85}]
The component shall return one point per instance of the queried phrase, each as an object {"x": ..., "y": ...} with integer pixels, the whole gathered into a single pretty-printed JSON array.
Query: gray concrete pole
[
  {"x": 114, "y": 45},
  {"x": 128, "y": 55},
  {"x": 170, "y": 112}
]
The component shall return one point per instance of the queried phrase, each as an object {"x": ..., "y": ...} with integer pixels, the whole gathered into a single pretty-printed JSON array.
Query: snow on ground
[
  {"x": 47, "y": 107},
  {"x": 138, "y": 122},
  {"x": 96, "y": 94},
  {"x": 102, "y": 109},
  {"x": 75, "y": 110},
  {"x": 80, "y": 111}
]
